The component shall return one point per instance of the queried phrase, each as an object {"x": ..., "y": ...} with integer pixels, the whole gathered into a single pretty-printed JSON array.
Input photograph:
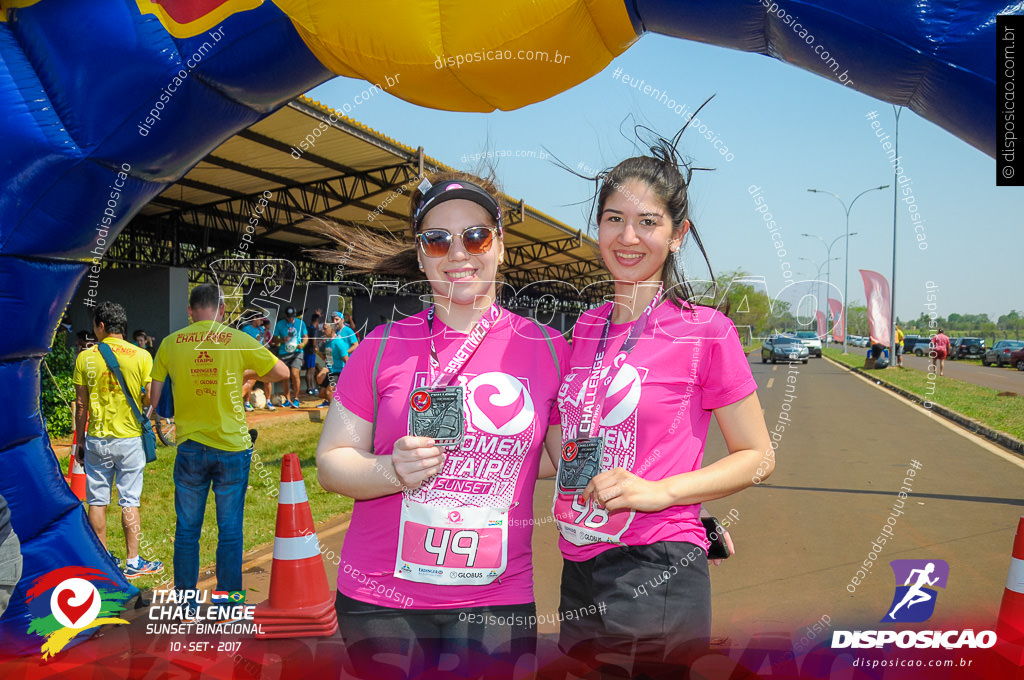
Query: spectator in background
[
  {"x": 290, "y": 335},
  {"x": 143, "y": 340},
  {"x": 84, "y": 340},
  {"x": 940, "y": 350},
  {"x": 256, "y": 328},
  {"x": 208, "y": 362},
  {"x": 336, "y": 350},
  {"x": 309, "y": 351},
  {"x": 10, "y": 556},
  {"x": 111, "y": 449},
  {"x": 899, "y": 346}
]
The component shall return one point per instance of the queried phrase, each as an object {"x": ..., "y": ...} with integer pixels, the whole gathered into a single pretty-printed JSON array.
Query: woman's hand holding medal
[{"x": 416, "y": 459}]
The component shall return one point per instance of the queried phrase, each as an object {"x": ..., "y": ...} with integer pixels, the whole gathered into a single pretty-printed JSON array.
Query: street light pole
[
  {"x": 817, "y": 281},
  {"x": 846, "y": 233},
  {"x": 828, "y": 254}
]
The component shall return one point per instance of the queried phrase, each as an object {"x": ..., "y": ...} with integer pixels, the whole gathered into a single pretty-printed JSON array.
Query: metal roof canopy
[{"x": 352, "y": 175}]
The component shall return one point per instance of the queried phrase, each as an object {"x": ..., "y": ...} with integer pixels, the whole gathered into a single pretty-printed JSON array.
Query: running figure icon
[{"x": 916, "y": 594}]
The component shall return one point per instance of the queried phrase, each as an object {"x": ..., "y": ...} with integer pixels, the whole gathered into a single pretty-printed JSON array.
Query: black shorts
[
  {"x": 654, "y": 608},
  {"x": 486, "y": 641}
]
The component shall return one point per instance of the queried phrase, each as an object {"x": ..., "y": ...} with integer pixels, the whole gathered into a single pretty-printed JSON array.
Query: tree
[{"x": 1011, "y": 322}]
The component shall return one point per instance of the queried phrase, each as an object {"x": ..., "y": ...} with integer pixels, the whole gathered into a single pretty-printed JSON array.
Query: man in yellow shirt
[
  {"x": 899, "y": 346},
  {"x": 207, "y": 363},
  {"x": 112, "y": 447}
]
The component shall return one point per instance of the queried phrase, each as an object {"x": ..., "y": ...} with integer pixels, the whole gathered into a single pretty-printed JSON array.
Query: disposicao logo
[
  {"x": 69, "y": 600},
  {"x": 914, "y": 602}
]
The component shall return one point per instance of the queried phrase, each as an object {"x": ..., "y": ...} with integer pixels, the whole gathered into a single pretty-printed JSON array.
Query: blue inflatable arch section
[{"x": 77, "y": 77}]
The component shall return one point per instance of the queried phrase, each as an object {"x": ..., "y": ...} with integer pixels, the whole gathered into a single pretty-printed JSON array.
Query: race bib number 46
[{"x": 583, "y": 523}]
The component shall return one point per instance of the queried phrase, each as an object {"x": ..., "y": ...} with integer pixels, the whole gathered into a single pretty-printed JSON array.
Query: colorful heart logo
[{"x": 74, "y": 612}]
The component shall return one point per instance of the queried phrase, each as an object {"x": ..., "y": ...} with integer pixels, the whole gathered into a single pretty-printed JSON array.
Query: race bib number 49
[{"x": 451, "y": 546}]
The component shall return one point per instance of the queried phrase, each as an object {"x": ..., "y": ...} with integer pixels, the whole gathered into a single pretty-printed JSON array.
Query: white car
[{"x": 811, "y": 341}]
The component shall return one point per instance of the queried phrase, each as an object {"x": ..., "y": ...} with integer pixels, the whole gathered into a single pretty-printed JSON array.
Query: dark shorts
[
  {"x": 309, "y": 360},
  {"x": 485, "y": 642},
  {"x": 654, "y": 608},
  {"x": 330, "y": 380},
  {"x": 899, "y": 350},
  {"x": 291, "y": 359}
]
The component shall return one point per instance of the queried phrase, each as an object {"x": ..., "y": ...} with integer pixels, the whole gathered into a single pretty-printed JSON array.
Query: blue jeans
[{"x": 196, "y": 466}]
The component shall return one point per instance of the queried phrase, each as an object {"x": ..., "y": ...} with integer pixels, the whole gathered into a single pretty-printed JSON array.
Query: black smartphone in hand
[{"x": 718, "y": 550}]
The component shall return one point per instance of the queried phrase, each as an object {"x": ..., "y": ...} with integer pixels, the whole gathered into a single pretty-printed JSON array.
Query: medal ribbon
[
  {"x": 593, "y": 403},
  {"x": 442, "y": 378}
]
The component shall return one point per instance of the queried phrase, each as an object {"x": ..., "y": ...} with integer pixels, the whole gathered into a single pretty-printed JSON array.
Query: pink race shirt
[
  {"x": 510, "y": 385},
  {"x": 656, "y": 415}
]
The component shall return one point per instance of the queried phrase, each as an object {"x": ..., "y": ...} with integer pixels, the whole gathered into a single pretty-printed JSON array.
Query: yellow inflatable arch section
[{"x": 433, "y": 49}]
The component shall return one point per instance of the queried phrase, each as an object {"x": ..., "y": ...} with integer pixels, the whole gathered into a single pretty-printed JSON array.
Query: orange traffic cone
[
  {"x": 1010, "y": 626},
  {"x": 300, "y": 602},
  {"x": 75, "y": 476},
  {"x": 1006, "y": 658}
]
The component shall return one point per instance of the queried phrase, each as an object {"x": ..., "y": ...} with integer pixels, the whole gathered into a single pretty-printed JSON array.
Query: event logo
[
  {"x": 914, "y": 601},
  {"x": 68, "y": 601},
  {"x": 500, "y": 404},
  {"x": 420, "y": 401}
]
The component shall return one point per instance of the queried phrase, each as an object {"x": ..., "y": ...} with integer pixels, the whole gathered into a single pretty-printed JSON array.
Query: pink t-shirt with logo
[
  {"x": 510, "y": 384},
  {"x": 656, "y": 415}
]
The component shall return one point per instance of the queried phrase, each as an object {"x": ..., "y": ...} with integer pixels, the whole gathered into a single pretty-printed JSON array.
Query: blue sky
[{"x": 788, "y": 130}]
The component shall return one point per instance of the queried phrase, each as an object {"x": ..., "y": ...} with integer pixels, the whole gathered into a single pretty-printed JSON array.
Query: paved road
[
  {"x": 803, "y": 533},
  {"x": 1003, "y": 379}
]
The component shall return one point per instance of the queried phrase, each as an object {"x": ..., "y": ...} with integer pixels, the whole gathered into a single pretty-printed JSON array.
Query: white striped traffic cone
[{"x": 300, "y": 602}]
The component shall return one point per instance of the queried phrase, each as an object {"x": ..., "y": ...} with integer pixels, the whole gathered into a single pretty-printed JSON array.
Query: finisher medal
[{"x": 437, "y": 413}]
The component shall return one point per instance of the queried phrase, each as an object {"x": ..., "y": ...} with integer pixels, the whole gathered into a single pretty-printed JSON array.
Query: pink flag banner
[
  {"x": 820, "y": 316},
  {"x": 876, "y": 289},
  {"x": 835, "y": 310}
]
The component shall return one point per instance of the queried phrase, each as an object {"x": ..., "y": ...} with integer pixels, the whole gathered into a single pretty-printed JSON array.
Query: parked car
[
  {"x": 969, "y": 348},
  {"x": 811, "y": 341},
  {"x": 1017, "y": 358},
  {"x": 783, "y": 348},
  {"x": 953, "y": 352},
  {"x": 915, "y": 344},
  {"x": 1000, "y": 352}
]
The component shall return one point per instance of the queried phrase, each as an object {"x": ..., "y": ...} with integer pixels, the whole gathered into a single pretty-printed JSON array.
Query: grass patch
[
  {"x": 974, "y": 401},
  {"x": 158, "y": 517}
]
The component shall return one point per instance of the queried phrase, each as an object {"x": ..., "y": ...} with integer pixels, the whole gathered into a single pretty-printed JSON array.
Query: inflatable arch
[{"x": 105, "y": 103}]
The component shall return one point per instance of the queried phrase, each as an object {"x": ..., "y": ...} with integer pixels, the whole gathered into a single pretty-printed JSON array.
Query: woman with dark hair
[
  {"x": 647, "y": 371},
  {"x": 438, "y": 434}
]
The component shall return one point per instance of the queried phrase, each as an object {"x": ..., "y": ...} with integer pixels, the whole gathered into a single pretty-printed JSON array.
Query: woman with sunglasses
[
  {"x": 438, "y": 435},
  {"x": 646, "y": 373}
]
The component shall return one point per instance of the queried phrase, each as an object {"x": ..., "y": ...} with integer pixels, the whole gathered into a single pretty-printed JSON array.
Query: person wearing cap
[
  {"x": 255, "y": 329},
  {"x": 290, "y": 335},
  {"x": 438, "y": 435}
]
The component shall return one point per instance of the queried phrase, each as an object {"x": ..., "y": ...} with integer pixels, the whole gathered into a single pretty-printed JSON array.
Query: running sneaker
[
  {"x": 296, "y": 404},
  {"x": 248, "y": 407},
  {"x": 145, "y": 567},
  {"x": 327, "y": 402},
  {"x": 271, "y": 407},
  {"x": 115, "y": 558}
]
